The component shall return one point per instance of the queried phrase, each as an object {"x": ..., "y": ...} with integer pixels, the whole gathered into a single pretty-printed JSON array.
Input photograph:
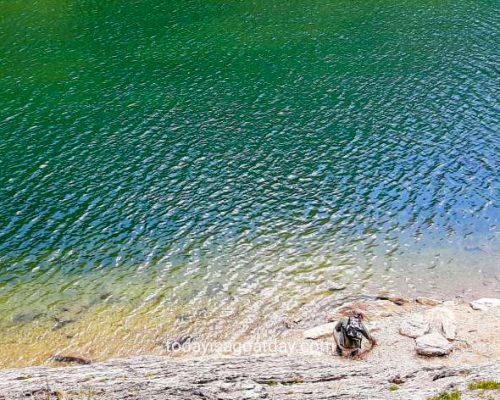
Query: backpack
[{"x": 353, "y": 329}]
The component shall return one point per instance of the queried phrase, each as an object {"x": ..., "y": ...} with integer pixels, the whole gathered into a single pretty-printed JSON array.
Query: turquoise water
[{"x": 212, "y": 165}]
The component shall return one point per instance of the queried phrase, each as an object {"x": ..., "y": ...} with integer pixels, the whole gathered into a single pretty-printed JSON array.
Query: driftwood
[{"x": 253, "y": 377}]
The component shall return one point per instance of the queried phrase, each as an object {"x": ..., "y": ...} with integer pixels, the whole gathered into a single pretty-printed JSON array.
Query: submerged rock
[
  {"x": 61, "y": 323},
  {"x": 320, "y": 331},
  {"x": 69, "y": 359},
  {"x": 27, "y": 317},
  {"x": 433, "y": 344},
  {"x": 415, "y": 326},
  {"x": 485, "y": 303}
]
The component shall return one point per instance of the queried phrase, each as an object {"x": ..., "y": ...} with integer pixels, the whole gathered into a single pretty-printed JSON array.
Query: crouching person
[{"x": 348, "y": 334}]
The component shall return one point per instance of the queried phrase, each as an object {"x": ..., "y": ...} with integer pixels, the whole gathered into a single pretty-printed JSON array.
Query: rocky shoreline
[{"x": 427, "y": 347}]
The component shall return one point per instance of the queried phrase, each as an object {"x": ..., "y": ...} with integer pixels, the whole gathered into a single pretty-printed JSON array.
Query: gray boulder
[
  {"x": 442, "y": 320},
  {"x": 432, "y": 345},
  {"x": 449, "y": 328},
  {"x": 416, "y": 325}
]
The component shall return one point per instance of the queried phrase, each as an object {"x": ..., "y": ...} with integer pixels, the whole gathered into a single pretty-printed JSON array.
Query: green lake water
[{"x": 211, "y": 167}]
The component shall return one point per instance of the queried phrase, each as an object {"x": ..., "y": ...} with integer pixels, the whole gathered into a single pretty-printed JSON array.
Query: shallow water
[{"x": 212, "y": 167}]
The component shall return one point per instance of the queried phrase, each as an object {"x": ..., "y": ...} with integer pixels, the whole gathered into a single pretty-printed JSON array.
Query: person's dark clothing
[{"x": 346, "y": 341}]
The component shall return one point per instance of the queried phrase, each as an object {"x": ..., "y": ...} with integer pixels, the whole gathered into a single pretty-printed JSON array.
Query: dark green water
[{"x": 245, "y": 157}]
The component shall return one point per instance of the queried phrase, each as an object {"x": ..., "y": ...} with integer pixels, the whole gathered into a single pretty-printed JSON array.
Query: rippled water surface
[{"x": 211, "y": 167}]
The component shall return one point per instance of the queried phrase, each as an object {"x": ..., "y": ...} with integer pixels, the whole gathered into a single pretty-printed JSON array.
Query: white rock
[
  {"x": 320, "y": 331},
  {"x": 433, "y": 344},
  {"x": 485, "y": 303},
  {"x": 416, "y": 325},
  {"x": 442, "y": 320},
  {"x": 449, "y": 329}
]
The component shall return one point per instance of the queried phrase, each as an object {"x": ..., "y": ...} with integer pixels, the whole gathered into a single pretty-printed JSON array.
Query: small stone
[
  {"x": 427, "y": 301},
  {"x": 396, "y": 300},
  {"x": 485, "y": 303},
  {"x": 291, "y": 323},
  {"x": 433, "y": 344},
  {"x": 320, "y": 331},
  {"x": 398, "y": 380},
  {"x": 414, "y": 326}
]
